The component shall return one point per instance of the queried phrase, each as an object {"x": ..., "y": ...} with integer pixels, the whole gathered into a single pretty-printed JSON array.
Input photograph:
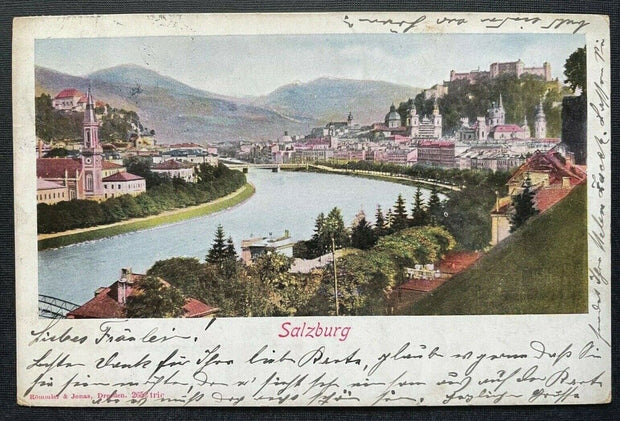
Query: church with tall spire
[
  {"x": 92, "y": 153},
  {"x": 83, "y": 178}
]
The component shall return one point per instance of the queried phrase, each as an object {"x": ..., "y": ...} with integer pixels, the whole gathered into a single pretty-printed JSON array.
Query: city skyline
[{"x": 262, "y": 63}]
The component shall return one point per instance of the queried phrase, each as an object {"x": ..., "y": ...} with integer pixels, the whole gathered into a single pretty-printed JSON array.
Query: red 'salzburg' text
[{"x": 304, "y": 330}]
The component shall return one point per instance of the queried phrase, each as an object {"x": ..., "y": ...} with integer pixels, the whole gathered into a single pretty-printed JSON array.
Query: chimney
[
  {"x": 123, "y": 290},
  {"x": 286, "y": 234},
  {"x": 566, "y": 182}
]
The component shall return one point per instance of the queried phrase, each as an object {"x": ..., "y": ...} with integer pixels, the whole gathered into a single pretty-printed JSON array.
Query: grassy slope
[
  {"x": 145, "y": 223},
  {"x": 542, "y": 268}
]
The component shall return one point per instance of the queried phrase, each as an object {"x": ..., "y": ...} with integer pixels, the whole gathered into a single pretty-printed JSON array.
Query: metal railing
[{"x": 54, "y": 308}]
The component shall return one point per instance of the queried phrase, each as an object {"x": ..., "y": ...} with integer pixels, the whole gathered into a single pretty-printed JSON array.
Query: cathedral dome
[{"x": 392, "y": 119}]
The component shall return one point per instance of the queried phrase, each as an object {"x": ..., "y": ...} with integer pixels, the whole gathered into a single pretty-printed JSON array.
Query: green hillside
[
  {"x": 542, "y": 268},
  {"x": 330, "y": 99}
]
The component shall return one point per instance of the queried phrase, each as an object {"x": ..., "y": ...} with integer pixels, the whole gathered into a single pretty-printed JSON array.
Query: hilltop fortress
[{"x": 495, "y": 69}]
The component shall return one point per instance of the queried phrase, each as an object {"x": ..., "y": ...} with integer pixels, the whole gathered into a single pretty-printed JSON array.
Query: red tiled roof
[
  {"x": 194, "y": 308},
  {"x": 507, "y": 128},
  {"x": 47, "y": 185},
  {"x": 555, "y": 164},
  {"x": 422, "y": 285},
  {"x": 546, "y": 198},
  {"x": 185, "y": 145},
  {"x": 55, "y": 167},
  {"x": 107, "y": 165},
  {"x": 105, "y": 304},
  {"x": 440, "y": 143},
  {"x": 68, "y": 93},
  {"x": 456, "y": 262},
  {"x": 82, "y": 100},
  {"x": 171, "y": 164},
  {"x": 123, "y": 176}
]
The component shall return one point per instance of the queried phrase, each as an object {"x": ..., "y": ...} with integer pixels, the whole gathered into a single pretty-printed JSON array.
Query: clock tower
[{"x": 91, "y": 153}]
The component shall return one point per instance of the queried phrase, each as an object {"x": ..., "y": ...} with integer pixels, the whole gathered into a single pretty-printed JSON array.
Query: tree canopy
[
  {"x": 523, "y": 207},
  {"x": 575, "y": 70},
  {"x": 155, "y": 299}
]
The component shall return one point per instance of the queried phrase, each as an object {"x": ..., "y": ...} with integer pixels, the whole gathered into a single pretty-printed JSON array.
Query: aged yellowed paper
[{"x": 341, "y": 209}]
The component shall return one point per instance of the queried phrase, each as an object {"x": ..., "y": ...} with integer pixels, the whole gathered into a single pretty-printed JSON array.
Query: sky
[{"x": 255, "y": 65}]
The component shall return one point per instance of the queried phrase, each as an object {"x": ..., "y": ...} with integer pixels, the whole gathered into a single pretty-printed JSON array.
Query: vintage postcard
[{"x": 329, "y": 209}]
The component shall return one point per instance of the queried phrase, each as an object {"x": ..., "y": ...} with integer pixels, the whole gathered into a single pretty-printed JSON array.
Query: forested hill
[
  {"x": 54, "y": 125},
  {"x": 520, "y": 97},
  {"x": 541, "y": 268}
]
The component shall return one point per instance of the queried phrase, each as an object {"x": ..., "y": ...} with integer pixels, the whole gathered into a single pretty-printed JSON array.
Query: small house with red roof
[
  {"x": 508, "y": 132},
  {"x": 108, "y": 168},
  {"x": 122, "y": 183},
  {"x": 69, "y": 99},
  {"x": 50, "y": 192},
  {"x": 110, "y": 302},
  {"x": 552, "y": 175},
  {"x": 173, "y": 168}
]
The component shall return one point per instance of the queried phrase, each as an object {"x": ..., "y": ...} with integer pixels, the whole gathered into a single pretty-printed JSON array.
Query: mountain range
[{"x": 181, "y": 113}]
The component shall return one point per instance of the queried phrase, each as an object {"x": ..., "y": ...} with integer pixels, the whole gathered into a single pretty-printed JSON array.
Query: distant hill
[
  {"x": 178, "y": 112},
  {"x": 541, "y": 268},
  {"x": 331, "y": 99}
]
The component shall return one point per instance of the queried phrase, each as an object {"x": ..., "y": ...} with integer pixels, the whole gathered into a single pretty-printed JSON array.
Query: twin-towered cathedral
[
  {"x": 490, "y": 127},
  {"x": 427, "y": 127}
]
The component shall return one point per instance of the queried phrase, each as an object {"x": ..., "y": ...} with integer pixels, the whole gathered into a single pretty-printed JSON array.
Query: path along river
[{"x": 284, "y": 200}]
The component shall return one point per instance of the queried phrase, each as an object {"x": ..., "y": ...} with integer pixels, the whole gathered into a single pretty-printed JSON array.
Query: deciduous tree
[
  {"x": 154, "y": 299},
  {"x": 575, "y": 70}
]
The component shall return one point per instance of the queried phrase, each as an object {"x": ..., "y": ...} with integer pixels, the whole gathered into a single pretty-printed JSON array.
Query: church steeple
[
  {"x": 89, "y": 113},
  {"x": 540, "y": 124},
  {"x": 91, "y": 152}
]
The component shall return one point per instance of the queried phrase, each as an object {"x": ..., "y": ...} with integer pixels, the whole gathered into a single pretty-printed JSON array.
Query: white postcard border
[{"x": 567, "y": 355}]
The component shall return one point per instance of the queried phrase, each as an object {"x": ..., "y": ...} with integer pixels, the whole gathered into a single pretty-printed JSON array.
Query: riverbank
[
  {"x": 60, "y": 239},
  {"x": 383, "y": 176}
]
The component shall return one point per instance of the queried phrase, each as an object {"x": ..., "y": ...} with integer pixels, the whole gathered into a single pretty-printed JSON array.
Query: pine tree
[
  {"x": 217, "y": 253},
  {"x": 399, "y": 217},
  {"x": 434, "y": 207},
  {"x": 230, "y": 251},
  {"x": 334, "y": 228},
  {"x": 318, "y": 242},
  {"x": 362, "y": 235},
  {"x": 380, "y": 223},
  {"x": 388, "y": 222},
  {"x": 229, "y": 260},
  {"x": 418, "y": 213},
  {"x": 523, "y": 206}
]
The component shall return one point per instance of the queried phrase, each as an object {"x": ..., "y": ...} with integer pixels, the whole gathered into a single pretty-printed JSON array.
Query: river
[{"x": 284, "y": 200}]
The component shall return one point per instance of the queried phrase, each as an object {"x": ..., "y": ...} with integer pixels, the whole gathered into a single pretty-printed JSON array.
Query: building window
[{"x": 89, "y": 182}]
